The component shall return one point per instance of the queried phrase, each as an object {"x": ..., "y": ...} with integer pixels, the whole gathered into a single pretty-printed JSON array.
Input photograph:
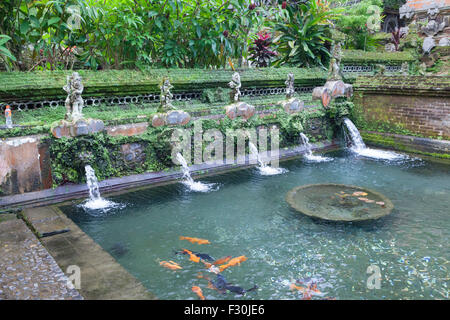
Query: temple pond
[{"x": 247, "y": 215}]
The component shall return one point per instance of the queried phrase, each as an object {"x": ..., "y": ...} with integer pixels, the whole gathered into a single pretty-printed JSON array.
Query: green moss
[
  {"x": 390, "y": 142},
  {"x": 361, "y": 57}
]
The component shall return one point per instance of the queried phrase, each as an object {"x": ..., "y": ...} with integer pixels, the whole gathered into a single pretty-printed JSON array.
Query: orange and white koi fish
[
  {"x": 233, "y": 262},
  {"x": 195, "y": 240},
  {"x": 170, "y": 265},
  {"x": 359, "y": 193},
  {"x": 198, "y": 291},
  {"x": 192, "y": 256}
]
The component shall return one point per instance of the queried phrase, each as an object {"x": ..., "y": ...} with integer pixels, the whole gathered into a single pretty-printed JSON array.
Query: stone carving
[
  {"x": 332, "y": 90},
  {"x": 290, "y": 90},
  {"x": 74, "y": 123},
  {"x": 166, "y": 96},
  {"x": 405, "y": 68},
  {"x": 236, "y": 108},
  {"x": 235, "y": 85},
  {"x": 389, "y": 47},
  {"x": 380, "y": 70},
  {"x": 171, "y": 118},
  {"x": 444, "y": 42},
  {"x": 74, "y": 101},
  {"x": 406, "y": 12},
  {"x": 428, "y": 44},
  {"x": 334, "y": 72},
  {"x": 291, "y": 105},
  {"x": 433, "y": 27}
]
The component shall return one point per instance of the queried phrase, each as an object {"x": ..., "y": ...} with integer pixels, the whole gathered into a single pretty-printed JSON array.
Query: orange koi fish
[
  {"x": 293, "y": 286},
  {"x": 233, "y": 262},
  {"x": 198, "y": 291},
  {"x": 195, "y": 240},
  {"x": 192, "y": 256},
  {"x": 170, "y": 265},
  {"x": 222, "y": 260}
]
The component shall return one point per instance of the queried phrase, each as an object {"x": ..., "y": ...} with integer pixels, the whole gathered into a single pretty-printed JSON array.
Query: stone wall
[{"x": 418, "y": 104}]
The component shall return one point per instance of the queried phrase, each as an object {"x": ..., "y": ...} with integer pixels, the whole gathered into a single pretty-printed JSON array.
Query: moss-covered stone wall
[{"x": 411, "y": 105}]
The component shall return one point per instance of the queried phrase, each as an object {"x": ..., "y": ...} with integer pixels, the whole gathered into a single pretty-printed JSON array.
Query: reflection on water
[{"x": 249, "y": 216}]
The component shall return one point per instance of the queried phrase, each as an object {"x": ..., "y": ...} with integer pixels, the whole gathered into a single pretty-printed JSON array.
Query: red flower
[
  {"x": 284, "y": 5},
  {"x": 252, "y": 6},
  {"x": 226, "y": 33}
]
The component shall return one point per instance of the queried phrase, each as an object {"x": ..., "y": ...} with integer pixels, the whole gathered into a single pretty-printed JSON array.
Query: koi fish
[
  {"x": 359, "y": 193},
  {"x": 203, "y": 256},
  {"x": 312, "y": 287},
  {"x": 170, "y": 265},
  {"x": 222, "y": 285},
  {"x": 293, "y": 287},
  {"x": 192, "y": 256},
  {"x": 222, "y": 260},
  {"x": 195, "y": 240},
  {"x": 233, "y": 262},
  {"x": 380, "y": 203},
  {"x": 198, "y": 291}
]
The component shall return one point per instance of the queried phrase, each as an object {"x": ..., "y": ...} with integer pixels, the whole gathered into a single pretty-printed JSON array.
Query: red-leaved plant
[{"x": 261, "y": 55}]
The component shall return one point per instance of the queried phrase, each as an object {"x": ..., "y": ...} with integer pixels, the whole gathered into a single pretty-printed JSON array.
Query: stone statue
[
  {"x": 334, "y": 71},
  {"x": 405, "y": 68},
  {"x": 380, "y": 70},
  {"x": 166, "y": 95},
  {"x": 235, "y": 85},
  {"x": 433, "y": 27},
  {"x": 290, "y": 91},
  {"x": 74, "y": 101}
]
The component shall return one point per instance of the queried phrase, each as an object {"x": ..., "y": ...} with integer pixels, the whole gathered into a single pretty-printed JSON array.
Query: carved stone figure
[
  {"x": 74, "y": 101},
  {"x": 380, "y": 70},
  {"x": 433, "y": 27},
  {"x": 235, "y": 85},
  {"x": 166, "y": 96},
  {"x": 405, "y": 68},
  {"x": 290, "y": 90},
  {"x": 334, "y": 71}
]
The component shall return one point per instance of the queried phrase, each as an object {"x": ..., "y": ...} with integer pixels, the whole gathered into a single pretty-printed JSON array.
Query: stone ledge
[
  {"x": 430, "y": 147},
  {"x": 71, "y": 192}
]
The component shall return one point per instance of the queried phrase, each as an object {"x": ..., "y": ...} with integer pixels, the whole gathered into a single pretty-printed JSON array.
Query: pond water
[{"x": 248, "y": 215}]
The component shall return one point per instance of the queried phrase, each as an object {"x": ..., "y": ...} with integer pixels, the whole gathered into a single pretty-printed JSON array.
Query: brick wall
[
  {"x": 419, "y": 5},
  {"x": 425, "y": 115}
]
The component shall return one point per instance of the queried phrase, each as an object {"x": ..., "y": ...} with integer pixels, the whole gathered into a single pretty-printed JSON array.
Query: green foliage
[
  {"x": 216, "y": 95},
  {"x": 356, "y": 23},
  {"x": 302, "y": 35},
  {"x": 5, "y": 54}
]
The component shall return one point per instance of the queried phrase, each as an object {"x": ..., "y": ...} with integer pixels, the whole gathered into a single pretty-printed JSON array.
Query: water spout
[
  {"x": 95, "y": 200},
  {"x": 264, "y": 169},
  {"x": 188, "y": 181},
  {"x": 359, "y": 147},
  {"x": 309, "y": 155}
]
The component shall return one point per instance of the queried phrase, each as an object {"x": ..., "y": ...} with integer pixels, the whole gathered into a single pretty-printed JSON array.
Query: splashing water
[
  {"x": 309, "y": 156},
  {"x": 263, "y": 168},
  {"x": 359, "y": 147},
  {"x": 95, "y": 202},
  {"x": 189, "y": 182}
]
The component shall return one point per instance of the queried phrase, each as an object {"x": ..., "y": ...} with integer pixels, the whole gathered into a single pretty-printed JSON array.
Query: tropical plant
[
  {"x": 261, "y": 55},
  {"x": 303, "y": 33},
  {"x": 5, "y": 54},
  {"x": 359, "y": 23}
]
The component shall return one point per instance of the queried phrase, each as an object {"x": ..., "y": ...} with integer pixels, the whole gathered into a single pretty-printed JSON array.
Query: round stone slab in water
[{"x": 339, "y": 202}]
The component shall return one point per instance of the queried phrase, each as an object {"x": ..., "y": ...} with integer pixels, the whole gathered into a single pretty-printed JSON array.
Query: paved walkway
[{"x": 27, "y": 270}]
